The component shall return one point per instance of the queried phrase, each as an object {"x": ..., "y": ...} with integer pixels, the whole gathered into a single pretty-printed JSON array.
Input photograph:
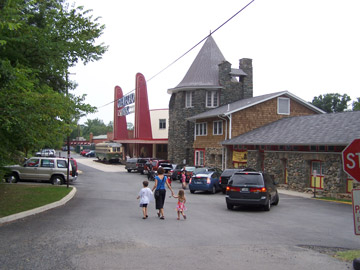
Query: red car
[{"x": 84, "y": 151}]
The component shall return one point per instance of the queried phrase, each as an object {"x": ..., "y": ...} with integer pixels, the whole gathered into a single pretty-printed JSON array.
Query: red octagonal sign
[{"x": 351, "y": 159}]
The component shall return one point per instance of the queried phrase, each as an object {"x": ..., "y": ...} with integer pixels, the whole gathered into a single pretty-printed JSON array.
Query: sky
[{"x": 307, "y": 47}]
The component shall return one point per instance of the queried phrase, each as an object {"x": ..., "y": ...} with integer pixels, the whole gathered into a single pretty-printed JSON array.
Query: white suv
[{"x": 42, "y": 169}]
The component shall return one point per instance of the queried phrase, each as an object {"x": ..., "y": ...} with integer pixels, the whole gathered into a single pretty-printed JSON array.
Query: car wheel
[
  {"x": 13, "y": 178},
  {"x": 268, "y": 205},
  {"x": 57, "y": 180},
  {"x": 276, "y": 199},
  {"x": 192, "y": 191},
  {"x": 230, "y": 206},
  {"x": 213, "y": 190}
]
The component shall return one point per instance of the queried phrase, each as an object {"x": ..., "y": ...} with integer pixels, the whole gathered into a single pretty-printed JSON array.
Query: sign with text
[
  {"x": 126, "y": 110},
  {"x": 356, "y": 209},
  {"x": 127, "y": 100},
  {"x": 351, "y": 159}
]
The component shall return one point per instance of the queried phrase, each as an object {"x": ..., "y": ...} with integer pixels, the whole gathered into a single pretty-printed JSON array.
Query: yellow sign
[{"x": 239, "y": 156}]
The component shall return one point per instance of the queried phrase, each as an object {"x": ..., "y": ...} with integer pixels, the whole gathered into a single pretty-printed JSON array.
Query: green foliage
[
  {"x": 96, "y": 127},
  {"x": 356, "y": 105},
  {"x": 347, "y": 256},
  {"x": 39, "y": 42},
  {"x": 331, "y": 103}
]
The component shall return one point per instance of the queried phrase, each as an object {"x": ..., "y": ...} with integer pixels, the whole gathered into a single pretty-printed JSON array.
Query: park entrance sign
[{"x": 351, "y": 159}]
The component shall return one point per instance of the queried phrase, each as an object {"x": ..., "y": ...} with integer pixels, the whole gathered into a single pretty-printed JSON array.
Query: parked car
[
  {"x": 251, "y": 188},
  {"x": 42, "y": 169},
  {"x": 206, "y": 179},
  {"x": 140, "y": 164},
  {"x": 189, "y": 170},
  {"x": 84, "y": 151},
  {"x": 91, "y": 153},
  {"x": 155, "y": 164},
  {"x": 225, "y": 176},
  {"x": 46, "y": 153},
  {"x": 130, "y": 164},
  {"x": 176, "y": 173}
]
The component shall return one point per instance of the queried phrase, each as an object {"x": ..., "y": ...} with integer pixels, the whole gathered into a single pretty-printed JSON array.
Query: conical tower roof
[{"x": 204, "y": 71}]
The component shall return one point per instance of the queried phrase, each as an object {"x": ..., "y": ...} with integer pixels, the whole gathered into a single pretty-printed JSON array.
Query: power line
[{"x": 197, "y": 44}]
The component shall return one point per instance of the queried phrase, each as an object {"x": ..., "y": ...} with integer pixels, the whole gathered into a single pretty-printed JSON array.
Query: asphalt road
[{"x": 102, "y": 228}]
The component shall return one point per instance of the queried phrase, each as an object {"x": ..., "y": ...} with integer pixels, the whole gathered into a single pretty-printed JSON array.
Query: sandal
[
  {"x": 158, "y": 214},
  {"x": 178, "y": 218},
  {"x": 144, "y": 217},
  {"x": 184, "y": 216},
  {"x": 162, "y": 217}
]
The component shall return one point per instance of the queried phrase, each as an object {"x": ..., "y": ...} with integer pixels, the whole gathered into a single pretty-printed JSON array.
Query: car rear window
[
  {"x": 229, "y": 172},
  {"x": 246, "y": 179}
]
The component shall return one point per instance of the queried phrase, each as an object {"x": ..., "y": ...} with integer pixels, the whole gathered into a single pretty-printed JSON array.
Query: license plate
[
  {"x": 245, "y": 189},
  {"x": 198, "y": 182}
]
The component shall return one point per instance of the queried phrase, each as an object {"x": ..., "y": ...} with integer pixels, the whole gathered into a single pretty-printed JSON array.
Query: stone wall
[{"x": 298, "y": 169}]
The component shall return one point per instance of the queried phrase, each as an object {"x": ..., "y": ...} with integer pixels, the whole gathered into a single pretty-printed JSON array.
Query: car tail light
[
  {"x": 236, "y": 189},
  {"x": 258, "y": 189},
  {"x": 208, "y": 181},
  {"x": 220, "y": 180}
]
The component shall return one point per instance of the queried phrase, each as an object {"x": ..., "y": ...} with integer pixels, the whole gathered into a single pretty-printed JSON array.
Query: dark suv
[
  {"x": 251, "y": 188},
  {"x": 140, "y": 164},
  {"x": 225, "y": 176}
]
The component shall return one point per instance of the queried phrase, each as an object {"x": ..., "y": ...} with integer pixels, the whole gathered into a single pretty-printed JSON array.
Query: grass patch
[
  {"x": 347, "y": 256},
  {"x": 16, "y": 198},
  {"x": 334, "y": 200}
]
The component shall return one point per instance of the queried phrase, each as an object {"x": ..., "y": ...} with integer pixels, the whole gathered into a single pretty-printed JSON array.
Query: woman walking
[{"x": 160, "y": 191}]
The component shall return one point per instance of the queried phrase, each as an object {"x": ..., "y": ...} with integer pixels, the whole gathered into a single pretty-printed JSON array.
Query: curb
[{"x": 39, "y": 209}]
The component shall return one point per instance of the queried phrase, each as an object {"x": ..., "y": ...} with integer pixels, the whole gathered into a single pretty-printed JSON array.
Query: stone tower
[{"x": 210, "y": 82}]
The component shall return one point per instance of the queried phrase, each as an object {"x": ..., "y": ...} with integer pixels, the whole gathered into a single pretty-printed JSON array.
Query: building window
[
  {"x": 317, "y": 174},
  {"x": 162, "y": 123},
  {"x": 283, "y": 106},
  {"x": 188, "y": 99},
  {"x": 212, "y": 99},
  {"x": 217, "y": 128},
  {"x": 201, "y": 129},
  {"x": 199, "y": 157}
]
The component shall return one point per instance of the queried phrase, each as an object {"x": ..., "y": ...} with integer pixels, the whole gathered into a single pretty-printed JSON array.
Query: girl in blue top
[{"x": 160, "y": 191}]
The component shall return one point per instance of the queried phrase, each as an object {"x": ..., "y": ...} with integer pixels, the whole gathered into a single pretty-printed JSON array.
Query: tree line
[
  {"x": 332, "y": 103},
  {"x": 39, "y": 42}
]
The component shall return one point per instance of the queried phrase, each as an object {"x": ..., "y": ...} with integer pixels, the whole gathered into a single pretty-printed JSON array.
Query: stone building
[
  {"x": 303, "y": 153},
  {"x": 209, "y": 83}
]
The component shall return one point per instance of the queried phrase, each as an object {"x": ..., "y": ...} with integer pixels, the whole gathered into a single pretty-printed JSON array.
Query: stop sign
[{"x": 351, "y": 159}]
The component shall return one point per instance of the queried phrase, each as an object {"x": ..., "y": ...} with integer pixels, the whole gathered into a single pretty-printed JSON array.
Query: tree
[
  {"x": 356, "y": 105},
  {"x": 331, "y": 102},
  {"x": 96, "y": 127},
  {"x": 39, "y": 42}
]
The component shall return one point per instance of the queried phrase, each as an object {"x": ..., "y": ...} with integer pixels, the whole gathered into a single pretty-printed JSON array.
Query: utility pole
[{"x": 68, "y": 135}]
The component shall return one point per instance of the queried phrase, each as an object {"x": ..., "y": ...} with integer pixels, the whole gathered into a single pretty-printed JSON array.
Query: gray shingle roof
[
  {"x": 319, "y": 129},
  {"x": 204, "y": 71},
  {"x": 249, "y": 102}
]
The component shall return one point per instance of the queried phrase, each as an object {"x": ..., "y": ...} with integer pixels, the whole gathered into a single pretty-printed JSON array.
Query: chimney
[{"x": 246, "y": 66}]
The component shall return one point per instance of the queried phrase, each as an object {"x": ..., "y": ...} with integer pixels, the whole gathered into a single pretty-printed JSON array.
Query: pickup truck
[{"x": 41, "y": 169}]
